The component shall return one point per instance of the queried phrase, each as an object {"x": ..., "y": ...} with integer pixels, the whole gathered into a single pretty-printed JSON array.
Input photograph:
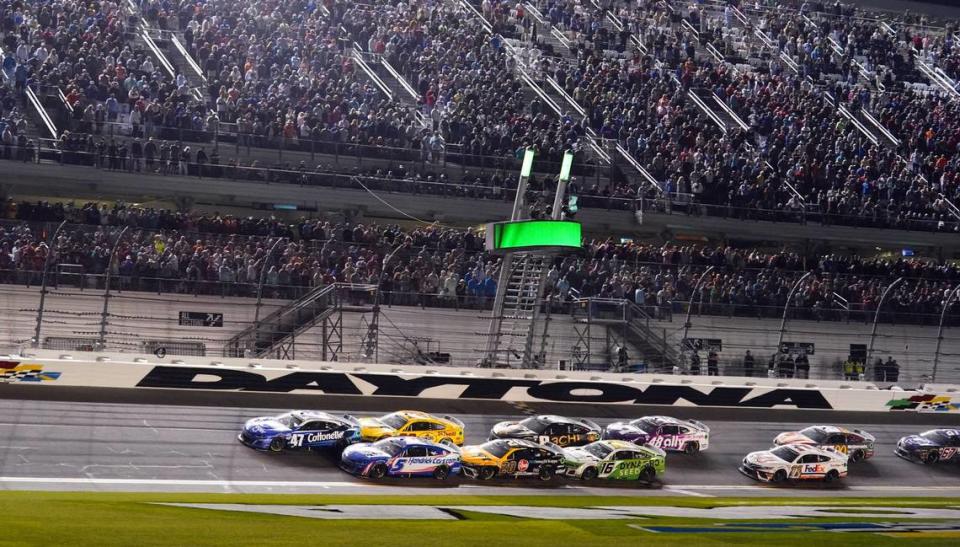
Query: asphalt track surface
[{"x": 69, "y": 445}]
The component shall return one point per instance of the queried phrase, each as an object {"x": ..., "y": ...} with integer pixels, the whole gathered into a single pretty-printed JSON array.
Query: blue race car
[
  {"x": 936, "y": 445},
  {"x": 401, "y": 457},
  {"x": 300, "y": 429}
]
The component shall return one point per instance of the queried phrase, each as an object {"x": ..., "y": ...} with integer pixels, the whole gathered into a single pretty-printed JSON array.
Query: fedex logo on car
[{"x": 812, "y": 469}]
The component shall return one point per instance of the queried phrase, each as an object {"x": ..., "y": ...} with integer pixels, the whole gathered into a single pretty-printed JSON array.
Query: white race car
[
  {"x": 857, "y": 444},
  {"x": 795, "y": 462},
  {"x": 662, "y": 432}
]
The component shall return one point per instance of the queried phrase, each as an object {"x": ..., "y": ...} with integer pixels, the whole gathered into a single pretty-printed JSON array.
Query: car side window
[
  {"x": 416, "y": 452},
  {"x": 684, "y": 430},
  {"x": 524, "y": 454},
  {"x": 578, "y": 429},
  {"x": 310, "y": 426},
  {"x": 823, "y": 458},
  {"x": 417, "y": 426},
  {"x": 625, "y": 455},
  {"x": 546, "y": 455},
  {"x": 808, "y": 458},
  {"x": 669, "y": 430},
  {"x": 837, "y": 438},
  {"x": 436, "y": 451},
  {"x": 436, "y": 426},
  {"x": 854, "y": 439}
]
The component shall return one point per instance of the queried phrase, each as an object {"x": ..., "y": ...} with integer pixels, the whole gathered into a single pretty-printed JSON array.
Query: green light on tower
[
  {"x": 567, "y": 166},
  {"x": 527, "y": 163}
]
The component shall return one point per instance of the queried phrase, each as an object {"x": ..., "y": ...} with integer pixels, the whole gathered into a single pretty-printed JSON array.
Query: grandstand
[{"x": 757, "y": 173}]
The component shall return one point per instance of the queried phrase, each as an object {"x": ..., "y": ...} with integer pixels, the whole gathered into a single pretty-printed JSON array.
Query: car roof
[
  {"x": 314, "y": 415},
  {"x": 514, "y": 443},
  {"x": 415, "y": 415},
  {"x": 810, "y": 449},
  {"x": 415, "y": 441},
  {"x": 620, "y": 445},
  {"x": 661, "y": 420},
  {"x": 554, "y": 419}
]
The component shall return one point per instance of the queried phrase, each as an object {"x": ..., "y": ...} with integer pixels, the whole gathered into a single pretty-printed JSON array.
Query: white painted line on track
[
  {"x": 777, "y": 489},
  {"x": 174, "y": 482},
  {"x": 687, "y": 492}
]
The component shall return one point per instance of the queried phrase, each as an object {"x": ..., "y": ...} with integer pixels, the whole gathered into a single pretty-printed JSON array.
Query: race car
[
  {"x": 512, "y": 458},
  {"x": 613, "y": 459},
  {"x": 401, "y": 457},
  {"x": 300, "y": 429},
  {"x": 936, "y": 445},
  {"x": 795, "y": 461},
  {"x": 856, "y": 444},
  {"x": 412, "y": 423},
  {"x": 543, "y": 429},
  {"x": 664, "y": 432}
]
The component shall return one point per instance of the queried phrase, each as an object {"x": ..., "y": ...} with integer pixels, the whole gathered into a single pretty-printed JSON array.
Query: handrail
[
  {"x": 44, "y": 117},
  {"x": 187, "y": 57},
  {"x": 707, "y": 110},
  {"x": 157, "y": 53},
  {"x": 400, "y": 79},
  {"x": 358, "y": 57}
]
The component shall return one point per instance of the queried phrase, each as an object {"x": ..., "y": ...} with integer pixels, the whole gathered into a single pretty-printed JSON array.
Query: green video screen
[{"x": 505, "y": 236}]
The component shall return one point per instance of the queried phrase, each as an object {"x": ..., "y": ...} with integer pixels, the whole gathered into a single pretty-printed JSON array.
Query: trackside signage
[{"x": 55, "y": 372}]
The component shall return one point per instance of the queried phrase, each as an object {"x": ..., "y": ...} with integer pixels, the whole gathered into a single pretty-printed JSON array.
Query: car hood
[
  {"x": 374, "y": 423},
  {"x": 579, "y": 455},
  {"x": 364, "y": 451},
  {"x": 265, "y": 426},
  {"x": 512, "y": 429},
  {"x": 763, "y": 458},
  {"x": 476, "y": 453},
  {"x": 791, "y": 437},
  {"x": 916, "y": 441},
  {"x": 627, "y": 427}
]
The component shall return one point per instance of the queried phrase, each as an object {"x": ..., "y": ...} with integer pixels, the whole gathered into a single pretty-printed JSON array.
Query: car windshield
[
  {"x": 599, "y": 450},
  {"x": 497, "y": 449},
  {"x": 935, "y": 435},
  {"x": 534, "y": 424},
  {"x": 644, "y": 425},
  {"x": 389, "y": 446},
  {"x": 289, "y": 420},
  {"x": 815, "y": 434},
  {"x": 394, "y": 420},
  {"x": 784, "y": 453}
]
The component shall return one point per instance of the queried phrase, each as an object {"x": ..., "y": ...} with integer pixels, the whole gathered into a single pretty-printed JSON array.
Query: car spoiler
[
  {"x": 700, "y": 424},
  {"x": 351, "y": 419},
  {"x": 454, "y": 420},
  {"x": 864, "y": 434},
  {"x": 591, "y": 424}
]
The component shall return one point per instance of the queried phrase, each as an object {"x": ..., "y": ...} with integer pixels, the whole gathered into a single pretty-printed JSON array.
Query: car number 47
[{"x": 296, "y": 440}]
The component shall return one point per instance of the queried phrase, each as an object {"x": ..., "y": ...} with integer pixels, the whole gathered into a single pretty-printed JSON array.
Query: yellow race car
[
  {"x": 512, "y": 458},
  {"x": 412, "y": 423}
]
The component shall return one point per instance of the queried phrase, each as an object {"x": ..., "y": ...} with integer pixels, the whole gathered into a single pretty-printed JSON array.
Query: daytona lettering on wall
[{"x": 179, "y": 377}]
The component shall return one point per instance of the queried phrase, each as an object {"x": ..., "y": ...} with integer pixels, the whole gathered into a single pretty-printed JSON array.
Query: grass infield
[{"x": 102, "y": 519}]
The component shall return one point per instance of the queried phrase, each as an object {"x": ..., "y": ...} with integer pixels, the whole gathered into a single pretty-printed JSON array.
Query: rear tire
[
  {"x": 545, "y": 474},
  {"x": 441, "y": 473},
  {"x": 277, "y": 444},
  {"x": 589, "y": 474},
  {"x": 647, "y": 474},
  {"x": 779, "y": 476},
  {"x": 856, "y": 456},
  {"x": 831, "y": 476},
  {"x": 691, "y": 448},
  {"x": 486, "y": 473},
  {"x": 931, "y": 457}
]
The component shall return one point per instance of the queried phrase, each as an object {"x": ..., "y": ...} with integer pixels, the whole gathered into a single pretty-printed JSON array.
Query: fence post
[
  {"x": 101, "y": 341},
  {"x": 876, "y": 318},
  {"x": 943, "y": 315},
  {"x": 43, "y": 283},
  {"x": 786, "y": 307}
]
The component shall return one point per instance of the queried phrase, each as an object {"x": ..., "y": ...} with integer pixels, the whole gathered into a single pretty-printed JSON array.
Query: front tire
[
  {"x": 832, "y": 475},
  {"x": 378, "y": 471},
  {"x": 441, "y": 473},
  {"x": 277, "y": 444},
  {"x": 589, "y": 474},
  {"x": 779, "y": 476},
  {"x": 545, "y": 474},
  {"x": 856, "y": 456},
  {"x": 486, "y": 473},
  {"x": 691, "y": 448}
]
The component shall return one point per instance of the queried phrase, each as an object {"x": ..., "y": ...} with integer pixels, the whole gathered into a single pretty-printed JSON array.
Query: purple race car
[{"x": 689, "y": 436}]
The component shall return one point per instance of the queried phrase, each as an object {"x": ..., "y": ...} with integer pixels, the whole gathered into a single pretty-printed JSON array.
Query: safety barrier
[{"x": 242, "y": 375}]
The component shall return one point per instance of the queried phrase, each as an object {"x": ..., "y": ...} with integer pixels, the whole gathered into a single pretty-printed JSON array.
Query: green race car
[{"x": 617, "y": 460}]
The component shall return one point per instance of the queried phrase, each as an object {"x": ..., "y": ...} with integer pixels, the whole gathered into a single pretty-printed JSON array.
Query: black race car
[
  {"x": 936, "y": 445},
  {"x": 544, "y": 429},
  {"x": 514, "y": 458}
]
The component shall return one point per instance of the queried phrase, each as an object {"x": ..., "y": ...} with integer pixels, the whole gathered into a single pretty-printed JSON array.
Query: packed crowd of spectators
[
  {"x": 285, "y": 70},
  {"x": 442, "y": 266}
]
